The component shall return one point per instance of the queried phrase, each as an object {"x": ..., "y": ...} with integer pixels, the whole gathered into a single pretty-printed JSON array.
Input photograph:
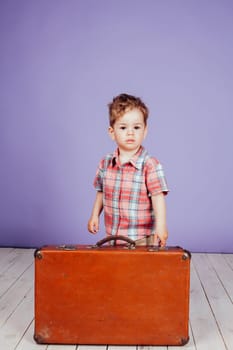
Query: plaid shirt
[{"x": 127, "y": 191}]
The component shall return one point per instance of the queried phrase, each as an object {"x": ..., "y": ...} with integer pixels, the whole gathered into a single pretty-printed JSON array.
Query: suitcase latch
[
  {"x": 67, "y": 247},
  {"x": 156, "y": 248}
]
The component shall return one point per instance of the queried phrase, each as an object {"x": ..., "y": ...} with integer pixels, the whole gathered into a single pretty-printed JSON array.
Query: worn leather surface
[{"x": 112, "y": 295}]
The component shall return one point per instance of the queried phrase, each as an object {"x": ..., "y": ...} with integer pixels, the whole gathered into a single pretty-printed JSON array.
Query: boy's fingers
[
  {"x": 162, "y": 242},
  {"x": 91, "y": 229},
  {"x": 95, "y": 228}
]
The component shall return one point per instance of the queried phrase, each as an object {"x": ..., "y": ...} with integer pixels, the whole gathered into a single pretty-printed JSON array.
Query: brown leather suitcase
[{"x": 118, "y": 294}]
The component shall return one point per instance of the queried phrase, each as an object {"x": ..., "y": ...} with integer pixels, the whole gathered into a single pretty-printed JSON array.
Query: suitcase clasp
[
  {"x": 67, "y": 247},
  {"x": 156, "y": 248}
]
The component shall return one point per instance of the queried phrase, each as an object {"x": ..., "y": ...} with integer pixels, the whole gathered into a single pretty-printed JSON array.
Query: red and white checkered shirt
[{"x": 127, "y": 191}]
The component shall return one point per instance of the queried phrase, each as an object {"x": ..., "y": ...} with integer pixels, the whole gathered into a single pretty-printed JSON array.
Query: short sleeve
[
  {"x": 155, "y": 177},
  {"x": 98, "y": 180}
]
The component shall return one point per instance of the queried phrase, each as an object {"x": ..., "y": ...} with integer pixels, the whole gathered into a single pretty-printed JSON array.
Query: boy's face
[{"x": 129, "y": 131}]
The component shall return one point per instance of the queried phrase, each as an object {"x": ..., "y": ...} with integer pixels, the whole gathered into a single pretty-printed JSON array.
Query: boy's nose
[{"x": 130, "y": 131}]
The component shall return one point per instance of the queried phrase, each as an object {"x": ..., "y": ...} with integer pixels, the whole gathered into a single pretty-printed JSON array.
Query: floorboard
[
  {"x": 205, "y": 329},
  {"x": 211, "y": 304},
  {"x": 217, "y": 296}
]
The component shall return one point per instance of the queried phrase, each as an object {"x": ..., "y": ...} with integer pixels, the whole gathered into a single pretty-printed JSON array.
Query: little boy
[{"x": 130, "y": 184}]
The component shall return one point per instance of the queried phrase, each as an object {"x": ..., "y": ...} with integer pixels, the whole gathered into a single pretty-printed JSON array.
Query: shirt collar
[{"x": 137, "y": 160}]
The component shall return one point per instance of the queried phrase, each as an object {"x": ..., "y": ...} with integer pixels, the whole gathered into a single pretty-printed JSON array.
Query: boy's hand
[
  {"x": 161, "y": 236},
  {"x": 93, "y": 225},
  {"x": 159, "y": 207}
]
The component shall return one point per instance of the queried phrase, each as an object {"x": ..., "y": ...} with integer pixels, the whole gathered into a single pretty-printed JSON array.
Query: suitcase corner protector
[
  {"x": 186, "y": 255},
  {"x": 38, "y": 254},
  {"x": 184, "y": 341},
  {"x": 38, "y": 339}
]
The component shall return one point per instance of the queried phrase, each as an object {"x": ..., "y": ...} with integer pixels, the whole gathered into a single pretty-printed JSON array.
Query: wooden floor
[{"x": 211, "y": 304}]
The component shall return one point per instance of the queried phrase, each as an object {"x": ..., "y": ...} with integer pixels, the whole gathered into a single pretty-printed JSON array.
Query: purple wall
[{"x": 61, "y": 62}]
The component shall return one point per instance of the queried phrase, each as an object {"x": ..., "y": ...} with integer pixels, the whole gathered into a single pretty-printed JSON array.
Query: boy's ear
[
  {"x": 145, "y": 132},
  {"x": 111, "y": 132}
]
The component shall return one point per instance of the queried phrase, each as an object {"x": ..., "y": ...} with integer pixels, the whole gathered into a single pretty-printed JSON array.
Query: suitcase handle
[{"x": 115, "y": 238}]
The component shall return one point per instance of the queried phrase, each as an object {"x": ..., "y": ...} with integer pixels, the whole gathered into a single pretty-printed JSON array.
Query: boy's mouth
[{"x": 130, "y": 140}]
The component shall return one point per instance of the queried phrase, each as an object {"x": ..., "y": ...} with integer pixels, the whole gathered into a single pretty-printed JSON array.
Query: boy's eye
[
  {"x": 137, "y": 127},
  {"x": 122, "y": 127}
]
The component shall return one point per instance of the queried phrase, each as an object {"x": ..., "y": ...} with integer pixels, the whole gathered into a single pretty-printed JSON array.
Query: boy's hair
[{"x": 124, "y": 103}]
